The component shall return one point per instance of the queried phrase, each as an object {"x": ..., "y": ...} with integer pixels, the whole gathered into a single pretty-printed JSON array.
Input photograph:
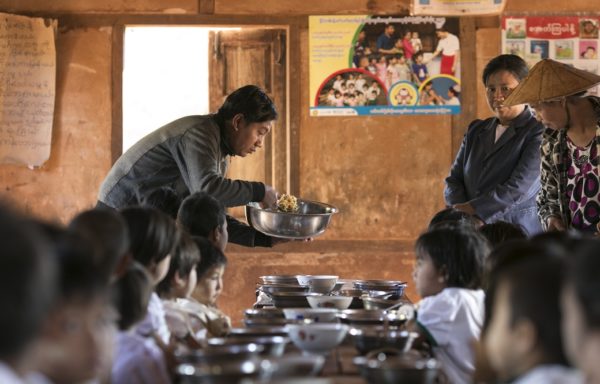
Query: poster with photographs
[
  {"x": 370, "y": 65},
  {"x": 572, "y": 40}
]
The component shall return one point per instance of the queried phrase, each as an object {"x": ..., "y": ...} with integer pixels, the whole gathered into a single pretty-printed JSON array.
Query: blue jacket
[{"x": 500, "y": 180}]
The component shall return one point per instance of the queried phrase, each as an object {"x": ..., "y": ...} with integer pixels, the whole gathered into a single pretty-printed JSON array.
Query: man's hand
[
  {"x": 270, "y": 199},
  {"x": 553, "y": 223}
]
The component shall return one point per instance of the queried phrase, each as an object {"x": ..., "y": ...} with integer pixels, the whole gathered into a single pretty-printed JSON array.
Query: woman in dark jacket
[{"x": 496, "y": 173}]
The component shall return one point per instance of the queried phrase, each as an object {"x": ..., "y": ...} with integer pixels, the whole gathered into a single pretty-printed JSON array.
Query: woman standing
[
  {"x": 496, "y": 173},
  {"x": 570, "y": 193}
]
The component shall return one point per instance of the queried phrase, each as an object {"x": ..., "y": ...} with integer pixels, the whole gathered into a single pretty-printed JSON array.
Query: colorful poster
[
  {"x": 457, "y": 7},
  {"x": 368, "y": 65},
  {"x": 569, "y": 39}
]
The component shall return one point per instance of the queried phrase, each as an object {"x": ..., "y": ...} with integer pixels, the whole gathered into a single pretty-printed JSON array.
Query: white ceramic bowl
[
  {"x": 318, "y": 283},
  {"x": 336, "y": 302},
  {"x": 319, "y": 338},
  {"x": 317, "y": 315}
]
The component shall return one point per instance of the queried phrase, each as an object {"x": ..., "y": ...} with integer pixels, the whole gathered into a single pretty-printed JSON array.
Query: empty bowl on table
[
  {"x": 282, "y": 288},
  {"x": 336, "y": 302},
  {"x": 390, "y": 286},
  {"x": 384, "y": 302},
  {"x": 356, "y": 294},
  {"x": 317, "y": 315},
  {"x": 403, "y": 368},
  {"x": 359, "y": 317},
  {"x": 292, "y": 366},
  {"x": 273, "y": 345},
  {"x": 280, "y": 279},
  {"x": 317, "y": 338},
  {"x": 318, "y": 283},
  {"x": 370, "y": 338},
  {"x": 292, "y": 299},
  {"x": 310, "y": 220}
]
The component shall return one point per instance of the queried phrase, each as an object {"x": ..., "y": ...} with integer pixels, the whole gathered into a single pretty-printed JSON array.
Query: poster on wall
[
  {"x": 27, "y": 89},
  {"x": 572, "y": 40},
  {"x": 457, "y": 7},
  {"x": 368, "y": 65}
]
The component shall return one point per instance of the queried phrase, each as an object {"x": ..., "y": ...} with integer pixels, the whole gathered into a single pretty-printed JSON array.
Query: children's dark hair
[
  {"x": 533, "y": 273},
  {"x": 451, "y": 215},
  {"x": 200, "y": 213},
  {"x": 131, "y": 294},
  {"x": 27, "y": 282},
  {"x": 501, "y": 231},
  {"x": 584, "y": 269},
  {"x": 511, "y": 63},
  {"x": 457, "y": 251},
  {"x": 153, "y": 234},
  {"x": 210, "y": 256},
  {"x": 184, "y": 259},
  {"x": 251, "y": 101},
  {"x": 164, "y": 199},
  {"x": 107, "y": 232}
]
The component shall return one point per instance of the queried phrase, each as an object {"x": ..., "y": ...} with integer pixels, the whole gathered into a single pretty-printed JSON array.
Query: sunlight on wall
[{"x": 165, "y": 77}]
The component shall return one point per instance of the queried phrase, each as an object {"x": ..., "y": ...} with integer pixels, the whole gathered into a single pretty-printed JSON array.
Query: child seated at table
[
  {"x": 447, "y": 276},
  {"x": 522, "y": 333},
  {"x": 202, "y": 215},
  {"x": 137, "y": 359}
]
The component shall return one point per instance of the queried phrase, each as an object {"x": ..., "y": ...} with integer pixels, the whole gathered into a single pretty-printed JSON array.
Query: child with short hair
[
  {"x": 138, "y": 359},
  {"x": 522, "y": 334},
  {"x": 202, "y": 215},
  {"x": 450, "y": 315},
  {"x": 75, "y": 343},
  {"x": 500, "y": 232},
  {"x": 164, "y": 199},
  {"x": 153, "y": 237},
  {"x": 580, "y": 304}
]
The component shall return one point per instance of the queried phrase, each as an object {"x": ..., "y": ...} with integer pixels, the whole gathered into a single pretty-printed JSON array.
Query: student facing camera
[
  {"x": 447, "y": 275},
  {"x": 522, "y": 334}
]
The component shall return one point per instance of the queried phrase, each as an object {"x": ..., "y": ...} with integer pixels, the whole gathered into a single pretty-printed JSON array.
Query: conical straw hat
[{"x": 549, "y": 80}]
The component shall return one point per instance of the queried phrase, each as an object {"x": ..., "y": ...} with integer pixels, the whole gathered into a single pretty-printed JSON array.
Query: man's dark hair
[
  {"x": 252, "y": 102},
  {"x": 501, "y": 231},
  {"x": 184, "y": 259},
  {"x": 131, "y": 294},
  {"x": 511, "y": 63},
  {"x": 200, "y": 213},
  {"x": 533, "y": 274},
  {"x": 153, "y": 234},
  {"x": 27, "y": 282},
  {"x": 165, "y": 199},
  {"x": 107, "y": 232},
  {"x": 210, "y": 256},
  {"x": 584, "y": 269},
  {"x": 459, "y": 251}
]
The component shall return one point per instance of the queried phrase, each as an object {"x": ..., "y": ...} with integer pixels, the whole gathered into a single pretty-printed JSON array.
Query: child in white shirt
[
  {"x": 522, "y": 335},
  {"x": 415, "y": 41},
  {"x": 447, "y": 275}
]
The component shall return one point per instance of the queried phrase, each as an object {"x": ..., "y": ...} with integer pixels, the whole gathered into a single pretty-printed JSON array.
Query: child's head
[
  {"x": 107, "y": 231},
  {"x": 418, "y": 57},
  {"x": 209, "y": 271},
  {"x": 338, "y": 94},
  {"x": 398, "y": 44},
  {"x": 382, "y": 60},
  {"x": 415, "y": 35},
  {"x": 181, "y": 278},
  {"x": 501, "y": 231},
  {"x": 203, "y": 215},
  {"x": 164, "y": 199},
  {"x": 76, "y": 341},
  {"x": 153, "y": 237},
  {"x": 27, "y": 284},
  {"x": 373, "y": 60},
  {"x": 449, "y": 257},
  {"x": 451, "y": 216},
  {"x": 580, "y": 304},
  {"x": 365, "y": 87},
  {"x": 131, "y": 294},
  {"x": 522, "y": 327}
]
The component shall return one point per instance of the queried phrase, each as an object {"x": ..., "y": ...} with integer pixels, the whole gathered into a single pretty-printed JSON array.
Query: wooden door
[{"x": 253, "y": 56}]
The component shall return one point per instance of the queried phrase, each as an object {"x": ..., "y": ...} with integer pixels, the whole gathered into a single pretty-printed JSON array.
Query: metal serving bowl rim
[{"x": 255, "y": 205}]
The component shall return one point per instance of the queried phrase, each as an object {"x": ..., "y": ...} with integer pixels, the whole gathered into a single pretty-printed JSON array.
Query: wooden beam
[
  {"x": 116, "y": 141},
  {"x": 468, "y": 82},
  {"x": 295, "y": 53},
  {"x": 206, "y": 7}
]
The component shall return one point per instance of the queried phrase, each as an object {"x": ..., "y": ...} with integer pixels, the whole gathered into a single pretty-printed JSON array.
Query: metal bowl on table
[
  {"x": 384, "y": 302},
  {"x": 220, "y": 354},
  {"x": 279, "y": 288},
  {"x": 370, "y": 338},
  {"x": 310, "y": 220},
  {"x": 258, "y": 331},
  {"x": 264, "y": 313},
  {"x": 292, "y": 299},
  {"x": 389, "y": 286},
  {"x": 273, "y": 345},
  {"x": 280, "y": 279},
  {"x": 382, "y": 368},
  {"x": 359, "y": 317},
  {"x": 225, "y": 373}
]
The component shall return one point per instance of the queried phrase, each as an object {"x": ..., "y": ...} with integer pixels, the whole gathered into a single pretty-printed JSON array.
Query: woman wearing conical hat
[
  {"x": 570, "y": 193},
  {"x": 496, "y": 173}
]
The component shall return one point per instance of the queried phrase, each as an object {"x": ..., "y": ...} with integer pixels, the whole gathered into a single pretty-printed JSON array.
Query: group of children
[
  {"x": 498, "y": 307},
  {"x": 113, "y": 295}
]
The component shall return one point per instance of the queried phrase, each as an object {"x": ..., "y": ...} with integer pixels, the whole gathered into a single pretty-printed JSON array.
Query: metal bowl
[
  {"x": 279, "y": 288},
  {"x": 292, "y": 299},
  {"x": 403, "y": 368},
  {"x": 384, "y": 302},
  {"x": 273, "y": 345},
  {"x": 369, "y": 338},
  {"x": 359, "y": 317},
  {"x": 220, "y": 354},
  {"x": 391, "y": 286},
  {"x": 264, "y": 313},
  {"x": 280, "y": 279},
  {"x": 258, "y": 331},
  {"x": 311, "y": 219},
  {"x": 225, "y": 373}
]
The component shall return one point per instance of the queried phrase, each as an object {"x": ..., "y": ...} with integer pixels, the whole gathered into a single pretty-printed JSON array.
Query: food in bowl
[
  {"x": 287, "y": 203},
  {"x": 337, "y": 302}
]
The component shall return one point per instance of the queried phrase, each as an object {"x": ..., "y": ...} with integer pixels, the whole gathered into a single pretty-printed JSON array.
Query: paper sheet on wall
[
  {"x": 27, "y": 88},
  {"x": 457, "y": 7}
]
